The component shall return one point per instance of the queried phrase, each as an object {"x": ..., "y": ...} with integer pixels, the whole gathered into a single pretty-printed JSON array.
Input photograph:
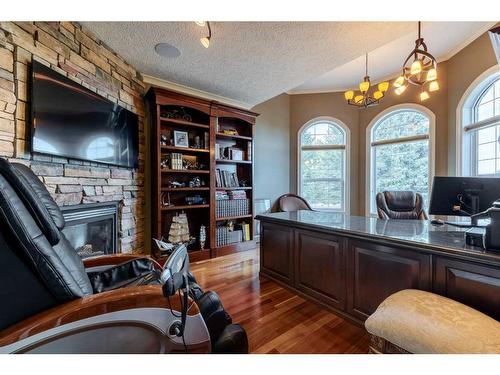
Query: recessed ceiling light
[{"x": 167, "y": 50}]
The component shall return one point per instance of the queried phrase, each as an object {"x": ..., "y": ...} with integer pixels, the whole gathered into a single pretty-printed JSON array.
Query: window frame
[
  {"x": 346, "y": 164},
  {"x": 465, "y": 158},
  {"x": 370, "y": 149}
]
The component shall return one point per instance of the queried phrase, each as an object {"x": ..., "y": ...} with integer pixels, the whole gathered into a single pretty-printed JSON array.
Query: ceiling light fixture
[
  {"x": 364, "y": 99},
  {"x": 421, "y": 71},
  {"x": 205, "y": 41}
]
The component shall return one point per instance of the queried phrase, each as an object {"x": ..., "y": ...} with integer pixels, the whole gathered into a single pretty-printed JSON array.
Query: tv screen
[{"x": 71, "y": 121}]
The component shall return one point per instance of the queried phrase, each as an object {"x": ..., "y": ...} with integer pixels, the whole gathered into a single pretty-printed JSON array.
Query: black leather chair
[
  {"x": 401, "y": 205},
  {"x": 53, "y": 302},
  {"x": 292, "y": 202}
]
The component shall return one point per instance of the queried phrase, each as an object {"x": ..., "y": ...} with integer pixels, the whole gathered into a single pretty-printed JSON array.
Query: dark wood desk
[{"x": 350, "y": 264}]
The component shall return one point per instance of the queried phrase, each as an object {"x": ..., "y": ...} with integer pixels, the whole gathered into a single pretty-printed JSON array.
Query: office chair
[
  {"x": 292, "y": 202},
  {"x": 401, "y": 205},
  {"x": 53, "y": 302}
]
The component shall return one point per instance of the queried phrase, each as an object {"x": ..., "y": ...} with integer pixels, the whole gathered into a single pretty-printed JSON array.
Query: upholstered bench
[{"x": 414, "y": 321}]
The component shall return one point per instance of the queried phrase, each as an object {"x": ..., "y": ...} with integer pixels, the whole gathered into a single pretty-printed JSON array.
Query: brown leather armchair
[
  {"x": 292, "y": 202},
  {"x": 401, "y": 205}
]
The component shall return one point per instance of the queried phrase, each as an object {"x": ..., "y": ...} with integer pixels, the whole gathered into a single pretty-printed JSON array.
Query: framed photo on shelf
[{"x": 181, "y": 139}]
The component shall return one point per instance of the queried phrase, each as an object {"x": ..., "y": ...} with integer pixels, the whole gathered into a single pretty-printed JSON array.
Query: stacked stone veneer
[{"x": 77, "y": 54}]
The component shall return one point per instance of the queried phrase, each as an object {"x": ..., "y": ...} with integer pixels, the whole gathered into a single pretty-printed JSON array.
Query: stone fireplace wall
[{"x": 77, "y": 54}]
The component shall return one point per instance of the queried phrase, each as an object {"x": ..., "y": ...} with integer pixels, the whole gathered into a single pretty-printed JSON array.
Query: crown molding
[{"x": 159, "y": 82}]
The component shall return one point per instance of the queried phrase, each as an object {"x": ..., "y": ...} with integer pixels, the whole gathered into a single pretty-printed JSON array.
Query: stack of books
[
  {"x": 226, "y": 237},
  {"x": 222, "y": 236},
  {"x": 232, "y": 208},
  {"x": 245, "y": 228},
  {"x": 176, "y": 160},
  {"x": 226, "y": 179}
]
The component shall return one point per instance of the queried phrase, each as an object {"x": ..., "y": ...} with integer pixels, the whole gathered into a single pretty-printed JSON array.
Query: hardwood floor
[{"x": 276, "y": 320}]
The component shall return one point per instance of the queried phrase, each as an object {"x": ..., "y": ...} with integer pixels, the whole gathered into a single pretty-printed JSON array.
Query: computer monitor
[{"x": 463, "y": 196}]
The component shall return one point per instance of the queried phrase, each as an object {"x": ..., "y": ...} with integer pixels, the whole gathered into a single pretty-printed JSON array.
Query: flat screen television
[{"x": 69, "y": 120}]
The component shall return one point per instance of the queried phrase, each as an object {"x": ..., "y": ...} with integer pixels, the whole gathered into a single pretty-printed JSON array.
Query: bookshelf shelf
[
  {"x": 196, "y": 171},
  {"x": 184, "y": 123},
  {"x": 222, "y": 135},
  {"x": 235, "y": 188},
  {"x": 227, "y": 161},
  {"x": 210, "y": 121},
  {"x": 185, "y": 149},
  {"x": 185, "y": 207},
  {"x": 233, "y": 217},
  {"x": 184, "y": 189}
]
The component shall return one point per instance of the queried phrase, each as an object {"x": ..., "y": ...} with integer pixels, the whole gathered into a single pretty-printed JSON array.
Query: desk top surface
[{"x": 422, "y": 233}]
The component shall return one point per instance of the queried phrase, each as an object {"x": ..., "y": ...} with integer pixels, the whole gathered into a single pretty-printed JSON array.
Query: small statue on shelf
[
  {"x": 165, "y": 200},
  {"x": 197, "y": 142},
  {"x": 230, "y": 131},
  {"x": 178, "y": 114},
  {"x": 195, "y": 182},
  {"x": 203, "y": 236},
  {"x": 195, "y": 200},
  {"x": 175, "y": 184},
  {"x": 163, "y": 140},
  {"x": 165, "y": 163}
]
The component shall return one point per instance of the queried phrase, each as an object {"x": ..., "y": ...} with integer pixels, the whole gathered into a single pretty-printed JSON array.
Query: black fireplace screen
[{"x": 92, "y": 229}]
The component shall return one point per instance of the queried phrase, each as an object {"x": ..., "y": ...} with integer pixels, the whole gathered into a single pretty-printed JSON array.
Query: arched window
[
  {"x": 400, "y": 152},
  {"x": 480, "y": 127},
  {"x": 323, "y": 164}
]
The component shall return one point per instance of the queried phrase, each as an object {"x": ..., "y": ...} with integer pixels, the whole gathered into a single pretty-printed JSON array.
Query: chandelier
[
  {"x": 364, "y": 98},
  {"x": 419, "y": 69}
]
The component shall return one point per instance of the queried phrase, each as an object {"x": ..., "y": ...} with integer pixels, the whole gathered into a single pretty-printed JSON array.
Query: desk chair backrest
[
  {"x": 291, "y": 202},
  {"x": 401, "y": 205}
]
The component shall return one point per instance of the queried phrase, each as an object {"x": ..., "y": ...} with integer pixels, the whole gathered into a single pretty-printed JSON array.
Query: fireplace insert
[{"x": 92, "y": 229}]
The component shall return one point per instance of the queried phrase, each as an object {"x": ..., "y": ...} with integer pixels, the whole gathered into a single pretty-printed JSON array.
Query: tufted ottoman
[{"x": 414, "y": 321}]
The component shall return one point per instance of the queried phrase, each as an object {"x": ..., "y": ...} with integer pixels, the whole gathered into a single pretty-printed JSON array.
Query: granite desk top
[{"x": 422, "y": 233}]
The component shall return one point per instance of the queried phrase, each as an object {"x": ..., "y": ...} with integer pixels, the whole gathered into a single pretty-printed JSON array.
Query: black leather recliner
[
  {"x": 52, "y": 303},
  {"x": 401, "y": 205}
]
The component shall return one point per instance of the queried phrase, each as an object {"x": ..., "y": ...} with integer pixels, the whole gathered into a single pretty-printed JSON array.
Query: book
[{"x": 249, "y": 150}]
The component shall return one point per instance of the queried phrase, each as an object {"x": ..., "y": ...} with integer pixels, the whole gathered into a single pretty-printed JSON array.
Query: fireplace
[{"x": 92, "y": 229}]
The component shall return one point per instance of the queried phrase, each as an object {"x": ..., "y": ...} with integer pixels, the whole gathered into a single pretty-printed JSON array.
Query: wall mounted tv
[{"x": 69, "y": 120}]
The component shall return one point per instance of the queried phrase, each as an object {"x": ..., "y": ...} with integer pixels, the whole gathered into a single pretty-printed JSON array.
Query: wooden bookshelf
[{"x": 172, "y": 111}]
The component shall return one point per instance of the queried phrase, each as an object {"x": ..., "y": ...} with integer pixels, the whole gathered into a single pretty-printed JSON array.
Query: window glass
[{"x": 323, "y": 170}]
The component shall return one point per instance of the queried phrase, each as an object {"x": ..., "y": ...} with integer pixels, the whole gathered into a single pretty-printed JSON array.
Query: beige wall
[
  {"x": 463, "y": 69},
  {"x": 455, "y": 76},
  {"x": 272, "y": 148}
]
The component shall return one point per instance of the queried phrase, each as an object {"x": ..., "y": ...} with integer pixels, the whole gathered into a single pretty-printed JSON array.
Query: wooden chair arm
[
  {"x": 97, "y": 304},
  {"x": 112, "y": 259}
]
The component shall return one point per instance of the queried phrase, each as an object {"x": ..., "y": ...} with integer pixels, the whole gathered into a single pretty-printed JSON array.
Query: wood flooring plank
[{"x": 276, "y": 319}]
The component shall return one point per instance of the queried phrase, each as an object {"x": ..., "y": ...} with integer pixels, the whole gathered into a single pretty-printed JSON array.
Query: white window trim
[
  {"x": 369, "y": 150},
  {"x": 465, "y": 113},
  {"x": 347, "y": 158}
]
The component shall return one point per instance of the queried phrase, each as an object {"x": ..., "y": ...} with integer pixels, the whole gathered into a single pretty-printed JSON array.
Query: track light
[{"x": 205, "y": 41}]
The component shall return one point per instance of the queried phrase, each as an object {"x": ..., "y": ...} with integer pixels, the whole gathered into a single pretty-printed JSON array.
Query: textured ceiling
[
  {"x": 247, "y": 61},
  {"x": 443, "y": 39}
]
